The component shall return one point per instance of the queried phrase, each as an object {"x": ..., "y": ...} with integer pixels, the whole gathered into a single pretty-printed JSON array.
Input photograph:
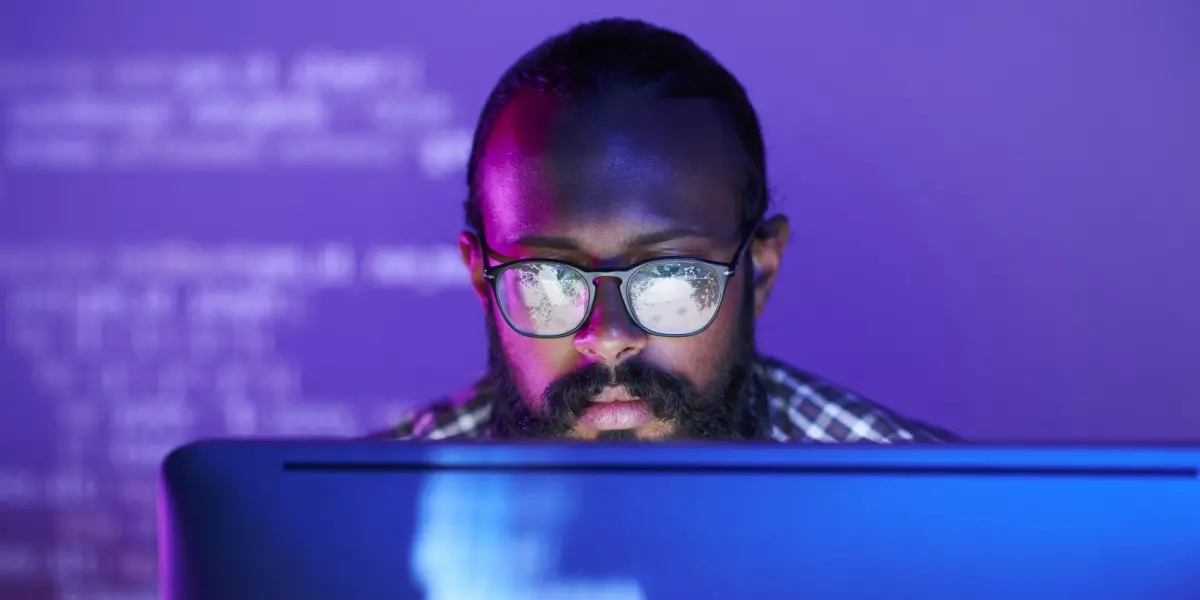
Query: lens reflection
[
  {"x": 667, "y": 297},
  {"x": 675, "y": 297},
  {"x": 543, "y": 298}
]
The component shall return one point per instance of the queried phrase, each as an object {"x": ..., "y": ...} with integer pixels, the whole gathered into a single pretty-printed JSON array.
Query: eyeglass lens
[{"x": 666, "y": 297}]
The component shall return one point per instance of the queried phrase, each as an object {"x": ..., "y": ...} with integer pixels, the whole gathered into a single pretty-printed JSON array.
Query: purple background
[{"x": 994, "y": 208}]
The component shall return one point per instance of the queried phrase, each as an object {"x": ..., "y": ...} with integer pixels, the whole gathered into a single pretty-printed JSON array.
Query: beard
[{"x": 727, "y": 408}]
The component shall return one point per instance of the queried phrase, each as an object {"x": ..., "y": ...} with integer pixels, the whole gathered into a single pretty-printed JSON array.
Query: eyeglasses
[{"x": 669, "y": 297}]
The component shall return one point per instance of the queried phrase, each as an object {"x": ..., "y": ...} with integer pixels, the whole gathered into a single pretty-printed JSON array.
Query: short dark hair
[{"x": 595, "y": 58}]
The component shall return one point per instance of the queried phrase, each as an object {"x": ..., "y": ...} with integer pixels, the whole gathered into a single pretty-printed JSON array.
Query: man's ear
[
  {"x": 766, "y": 252},
  {"x": 472, "y": 258}
]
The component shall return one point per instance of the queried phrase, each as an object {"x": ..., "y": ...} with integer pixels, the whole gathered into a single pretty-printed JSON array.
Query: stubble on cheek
[{"x": 533, "y": 363}]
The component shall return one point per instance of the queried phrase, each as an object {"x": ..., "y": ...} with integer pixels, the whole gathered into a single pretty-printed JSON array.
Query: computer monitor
[{"x": 303, "y": 520}]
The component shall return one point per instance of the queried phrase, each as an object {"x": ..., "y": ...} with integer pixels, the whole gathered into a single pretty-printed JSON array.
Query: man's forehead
[
  {"x": 607, "y": 235},
  {"x": 628, "y": 168}
]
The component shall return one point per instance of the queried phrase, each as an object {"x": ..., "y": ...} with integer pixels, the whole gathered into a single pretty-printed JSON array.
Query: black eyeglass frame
[{"x": 724, "y": 271}]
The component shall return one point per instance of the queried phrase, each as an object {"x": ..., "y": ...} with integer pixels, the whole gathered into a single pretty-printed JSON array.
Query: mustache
[{"x": 666, "y": 394}]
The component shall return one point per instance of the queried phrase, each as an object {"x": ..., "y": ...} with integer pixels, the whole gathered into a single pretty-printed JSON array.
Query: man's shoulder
[
  {"x": 464, "y": 414},
  {"x": 805, "y": 407}
]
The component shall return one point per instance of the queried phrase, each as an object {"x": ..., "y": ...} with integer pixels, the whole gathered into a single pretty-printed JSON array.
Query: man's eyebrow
[{"x": 646, "y": 239}]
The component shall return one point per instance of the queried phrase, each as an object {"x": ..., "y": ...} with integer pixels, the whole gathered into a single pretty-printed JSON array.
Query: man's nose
[{"x": 610, "y": 335}]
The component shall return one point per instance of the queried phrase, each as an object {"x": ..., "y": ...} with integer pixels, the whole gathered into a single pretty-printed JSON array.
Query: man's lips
[{"x": 615, "y": 408}]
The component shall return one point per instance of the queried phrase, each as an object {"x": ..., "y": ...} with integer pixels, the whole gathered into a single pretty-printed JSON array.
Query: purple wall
[{"x": 240, "y": 217}]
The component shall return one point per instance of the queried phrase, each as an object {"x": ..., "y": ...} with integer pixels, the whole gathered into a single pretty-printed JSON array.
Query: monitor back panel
[{"x": 303, "y": 520}]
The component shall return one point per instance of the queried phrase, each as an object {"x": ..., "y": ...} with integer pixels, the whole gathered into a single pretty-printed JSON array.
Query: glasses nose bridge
[
  {"x": 614, "y": 296},
  {"x": 621, "y": 277}
]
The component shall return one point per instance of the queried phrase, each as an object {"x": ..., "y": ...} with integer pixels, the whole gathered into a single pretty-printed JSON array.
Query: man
[{"x": 618, "y": 239}]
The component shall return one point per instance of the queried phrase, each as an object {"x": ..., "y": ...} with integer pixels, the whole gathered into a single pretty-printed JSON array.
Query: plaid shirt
[{"x": 802, "y": 408}]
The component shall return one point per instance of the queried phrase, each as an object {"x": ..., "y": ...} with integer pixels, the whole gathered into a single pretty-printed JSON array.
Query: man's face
[{"x": 608, "y": 186}]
